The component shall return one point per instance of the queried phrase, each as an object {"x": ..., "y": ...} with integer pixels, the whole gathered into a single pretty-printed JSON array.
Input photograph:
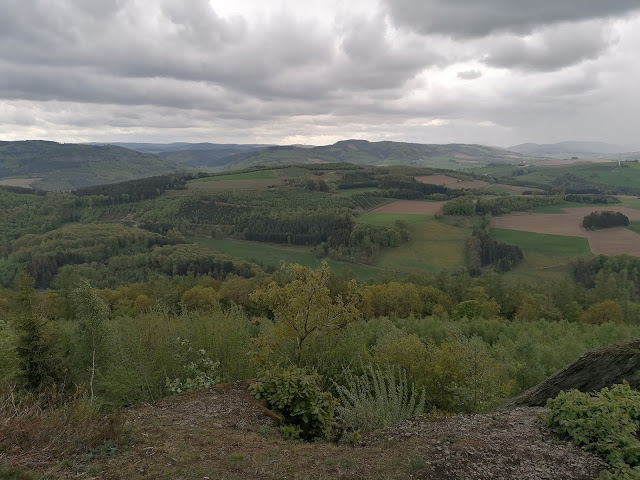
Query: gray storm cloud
[
  {"x": 485, "y": 71},
  {"x": 472, "y": 18}
]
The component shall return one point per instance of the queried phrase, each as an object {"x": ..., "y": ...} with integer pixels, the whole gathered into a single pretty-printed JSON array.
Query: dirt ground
[
  {"x": 410, "y": 206},
  {"x": 223, "y": 433},
  {"x": 609, "y": 241}
]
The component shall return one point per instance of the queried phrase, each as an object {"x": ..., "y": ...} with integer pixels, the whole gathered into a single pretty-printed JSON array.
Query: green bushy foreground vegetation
[
  {"x": 437, "y": 343},
  {"x": 606, "y": 422}
]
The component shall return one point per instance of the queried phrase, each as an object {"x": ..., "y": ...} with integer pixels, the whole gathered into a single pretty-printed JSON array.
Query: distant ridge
[
  {"x": 66, "y": 166},
  {"x": 363, "y": 152},
  {"x": 571, "y": 148}
]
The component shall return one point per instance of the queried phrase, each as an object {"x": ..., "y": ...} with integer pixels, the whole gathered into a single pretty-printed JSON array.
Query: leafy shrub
[
  {"x": 296, "y": 393},
  {"x": 379, "y": 398},
  {"x": 199, "y": 373},
  {"x": 606, "y": 422}
]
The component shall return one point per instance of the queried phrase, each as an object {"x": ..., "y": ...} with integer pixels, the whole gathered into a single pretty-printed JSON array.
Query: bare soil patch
[
  {"x": 615, "y": 241},
  {"x": 608, "y": 241},
  {"x": 411, "y": 207},
  {"x": 19, "y": 182},
  {"x": 236, "y": 184}
]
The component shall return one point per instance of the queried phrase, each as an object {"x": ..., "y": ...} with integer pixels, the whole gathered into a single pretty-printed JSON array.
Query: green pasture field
[
  {"x": 634, "y": 226},
  {"x": 433, "y": 245},
  {"x": 559, "y": 208},
  {"x": 390, "y": 218},
  {"x": 545, "y": 256},
  {"x": 629, "y": 202},
  {"x": 272, "y": 254}
]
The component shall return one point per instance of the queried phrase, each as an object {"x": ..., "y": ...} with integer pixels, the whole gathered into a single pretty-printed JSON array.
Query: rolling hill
[
  {"x": 363, "y": 152},
  {"x": 56, "y": 166}
]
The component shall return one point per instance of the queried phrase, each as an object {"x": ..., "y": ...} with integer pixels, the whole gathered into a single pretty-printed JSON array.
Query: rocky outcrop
[{"x": 596, "y": 369}]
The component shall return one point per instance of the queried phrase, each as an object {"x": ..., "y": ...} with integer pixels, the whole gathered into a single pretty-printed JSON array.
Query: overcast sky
[{"x": 496, "y": 72}]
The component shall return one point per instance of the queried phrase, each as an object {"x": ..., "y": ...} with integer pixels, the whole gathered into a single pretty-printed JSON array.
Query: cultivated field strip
[{"x": 610, "y": 241}]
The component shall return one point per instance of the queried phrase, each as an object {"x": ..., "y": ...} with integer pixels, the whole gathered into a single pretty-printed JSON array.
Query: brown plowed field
[
  {"x": 614, "y": 241},
  {"x": 437, "y": 179},
  {"x": 451, "y": 182},
  {"x": 410, "y": 206},
  {"x": 609, "y": 241}
]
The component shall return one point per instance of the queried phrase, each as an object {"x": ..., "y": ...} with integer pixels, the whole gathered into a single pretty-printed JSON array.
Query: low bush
[
  {"x": 296, "y": 394},
  {"x": 607, "y": 422}
]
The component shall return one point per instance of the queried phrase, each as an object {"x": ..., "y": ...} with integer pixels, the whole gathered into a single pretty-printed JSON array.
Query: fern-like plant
[{"x": 379, "y": 398}]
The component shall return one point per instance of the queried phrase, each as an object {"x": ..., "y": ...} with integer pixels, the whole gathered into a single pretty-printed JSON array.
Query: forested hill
[
  {"x": 56, "y": 166},
  {"x": 363, "y": 152},
  {"x": 195, "y": 154}
]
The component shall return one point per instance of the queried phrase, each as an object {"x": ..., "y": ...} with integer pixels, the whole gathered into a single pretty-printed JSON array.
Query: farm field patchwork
[{"x": 609, "y": 241}]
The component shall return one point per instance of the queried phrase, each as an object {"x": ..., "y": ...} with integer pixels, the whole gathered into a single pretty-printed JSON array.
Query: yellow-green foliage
[
  {"x": 304, "y": 307},
  {"x": 603, "y": 312}
]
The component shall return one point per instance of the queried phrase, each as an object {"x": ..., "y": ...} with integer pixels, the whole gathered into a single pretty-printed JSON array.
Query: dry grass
[
  {"x": 35, "y": 432},
  {"x": 19, "y": 182}
]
